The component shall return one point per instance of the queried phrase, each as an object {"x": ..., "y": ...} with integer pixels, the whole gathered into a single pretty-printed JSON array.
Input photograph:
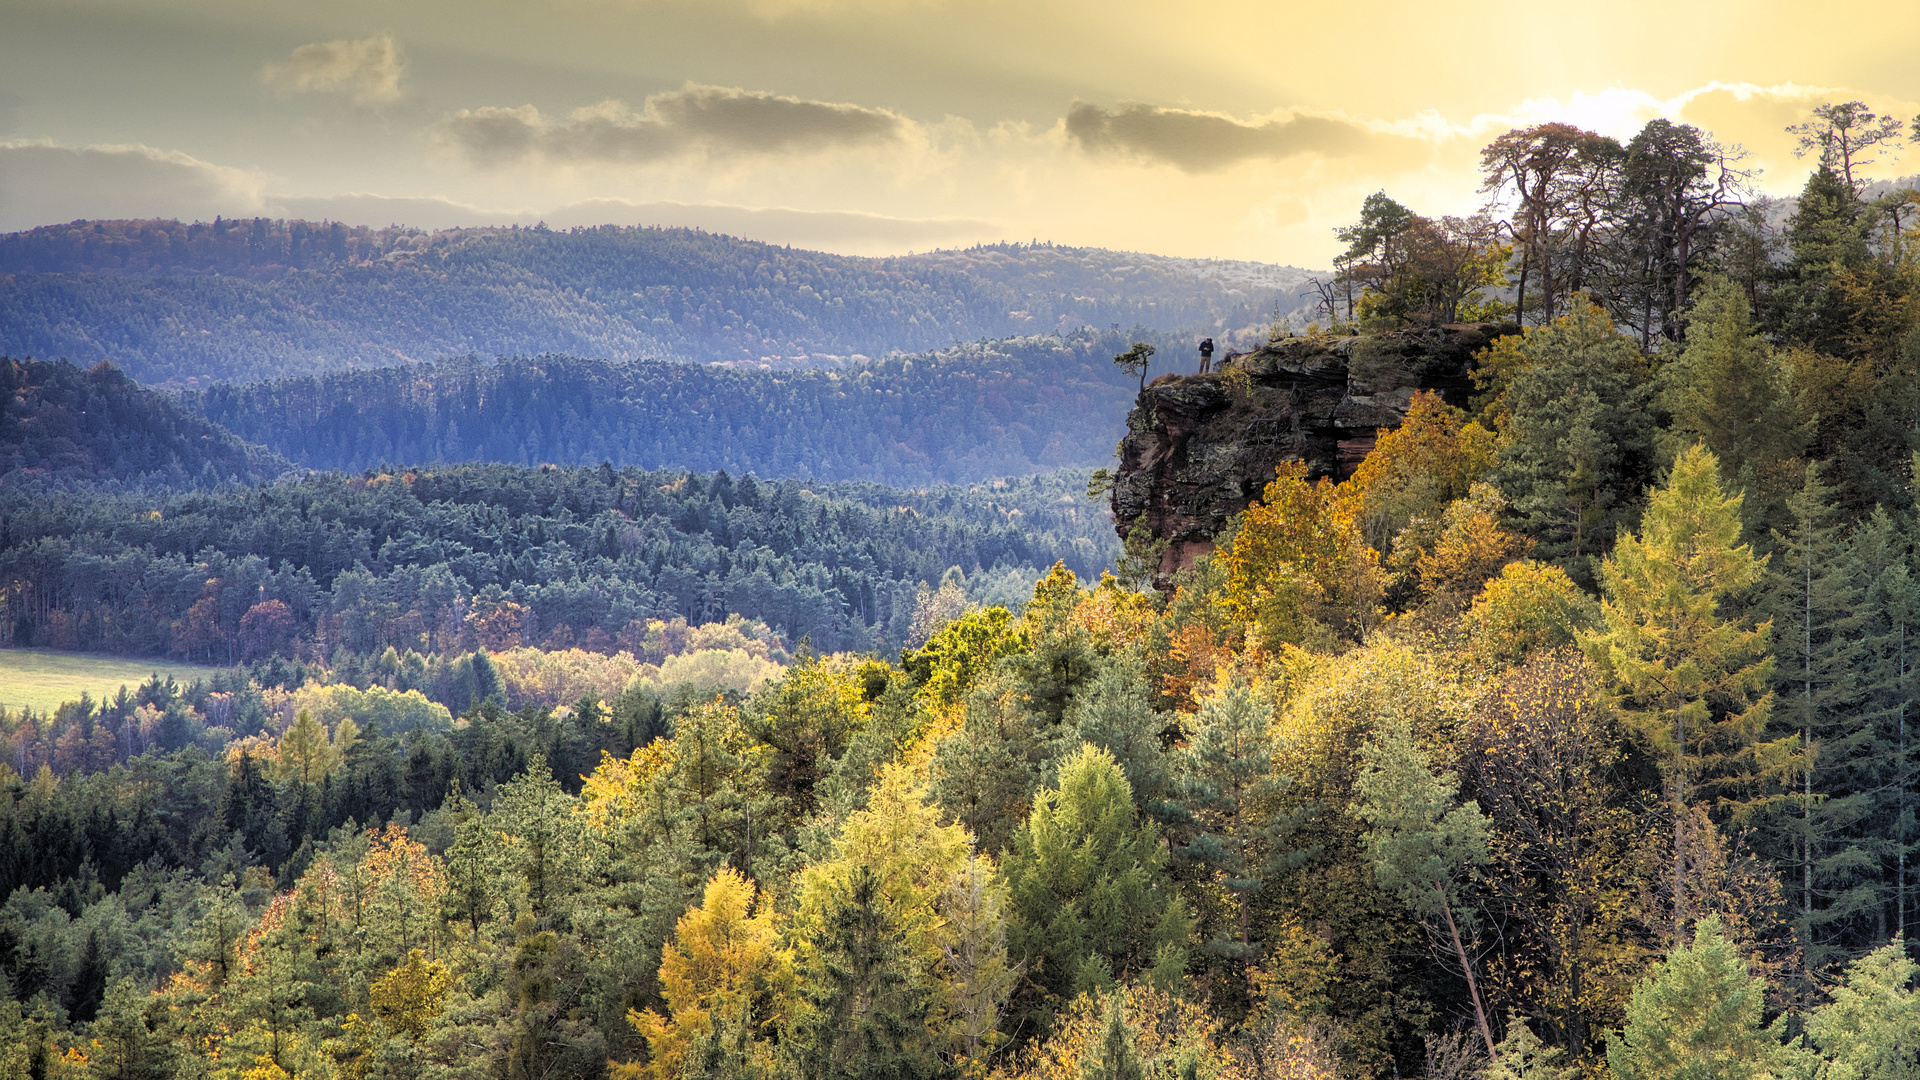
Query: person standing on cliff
[{"x": 1206, "y": 355}]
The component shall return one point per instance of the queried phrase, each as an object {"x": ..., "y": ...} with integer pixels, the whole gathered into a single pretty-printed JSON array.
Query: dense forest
[
  {"x": 454, "y": 558},
  {"x": 235, "y": 301},
  {"x": 991, "y": 409},
  {"x": 1568, "y": 736}
]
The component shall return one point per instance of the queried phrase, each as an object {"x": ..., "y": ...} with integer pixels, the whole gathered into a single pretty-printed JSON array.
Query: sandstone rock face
[{"x": 1198, "y": 450}]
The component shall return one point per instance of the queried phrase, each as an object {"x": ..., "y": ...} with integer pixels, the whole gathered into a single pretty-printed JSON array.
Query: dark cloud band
[
  {"x": 711, "y": 119},
  {"x": 1199, "y": 142}
]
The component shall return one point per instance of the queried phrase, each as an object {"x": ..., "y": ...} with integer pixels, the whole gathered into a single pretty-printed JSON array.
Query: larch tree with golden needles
[
  {"x": 1688, "y": 677},
  {"x": 727, "y": 982}
]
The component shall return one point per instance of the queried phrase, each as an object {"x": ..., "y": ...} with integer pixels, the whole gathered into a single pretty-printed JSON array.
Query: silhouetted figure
[{"x": 1206, "y": 356}]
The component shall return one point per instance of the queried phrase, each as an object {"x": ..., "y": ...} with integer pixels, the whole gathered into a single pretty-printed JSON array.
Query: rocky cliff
[{"x": 1199, "y": 448}]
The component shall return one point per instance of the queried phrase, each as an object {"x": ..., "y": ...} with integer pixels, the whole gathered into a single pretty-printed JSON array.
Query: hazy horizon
[{"x": 1238, "y": 131}]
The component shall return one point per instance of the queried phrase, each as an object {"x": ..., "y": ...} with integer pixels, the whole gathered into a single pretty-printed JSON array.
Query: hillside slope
[
  {"x": 59, "y": 424},
  {"x": 242, "y": 300},
  {"x": 1001, "y": 408}
]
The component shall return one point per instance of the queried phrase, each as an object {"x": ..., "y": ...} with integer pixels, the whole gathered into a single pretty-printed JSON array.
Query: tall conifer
[
  {"x": 1689, "y": 677},
  {"x": 1814, "y": 595}
]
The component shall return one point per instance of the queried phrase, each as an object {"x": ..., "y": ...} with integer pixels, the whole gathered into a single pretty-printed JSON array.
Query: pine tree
[
  {"x": 1577, "y": 441},
  {"x": 1114, "y": 712},
  {"x": 128, "y": 1048},
  {"x": 1815, "y": 598},
  {"x": 1423, "y": 841},
  {"x": 472, "y": 863},
  {"x": 1688, "y": 678},
  {"x": 546, "y": 842},
  {"x": 1698, "y": 1017},
  {"x": 1232, "y": 786}
]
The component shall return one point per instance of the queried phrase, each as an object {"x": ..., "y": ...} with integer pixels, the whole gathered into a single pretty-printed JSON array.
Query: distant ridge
[{"x": 186, "y": 304}]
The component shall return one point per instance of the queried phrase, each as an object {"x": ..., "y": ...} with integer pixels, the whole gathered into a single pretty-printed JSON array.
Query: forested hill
[
  {"x": 244, "y": 300},
  {"x": 517, "y": 556},
  {"x": 59, "y": 425},
  {"x": 1001, "y": 408}
]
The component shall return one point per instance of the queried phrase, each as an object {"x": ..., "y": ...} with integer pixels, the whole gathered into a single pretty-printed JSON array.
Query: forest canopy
[{"x": 959, "y": 416}]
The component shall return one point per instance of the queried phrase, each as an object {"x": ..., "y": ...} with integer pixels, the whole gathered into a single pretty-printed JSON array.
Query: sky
[{"x": 1242, "y": 129}]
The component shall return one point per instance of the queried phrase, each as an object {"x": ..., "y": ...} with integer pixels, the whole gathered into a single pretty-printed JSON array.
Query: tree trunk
[
  {"x": 1466, "y": 968},
  {"x": 1679, "y": 827}
]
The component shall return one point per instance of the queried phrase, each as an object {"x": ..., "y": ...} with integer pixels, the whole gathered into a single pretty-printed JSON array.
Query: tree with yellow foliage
[
  {"x": 1528, "y": 607},
  {"x": 1434, "y": 457},
  {"x": 305, "y": 752},
  {"x": 408, "y": 998},
  {"x": 1689, "y": 678},
  {"x": 947, "y": 905},
  {"x": 1297, "y": 567},
  {"x": 727, "y": 982}
]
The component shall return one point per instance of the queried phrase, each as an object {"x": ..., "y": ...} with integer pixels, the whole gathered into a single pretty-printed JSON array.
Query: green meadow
[{"x": 43, "y": 678}]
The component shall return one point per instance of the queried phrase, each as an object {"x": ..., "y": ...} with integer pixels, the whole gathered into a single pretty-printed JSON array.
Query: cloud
[
  {"x": 45, "y": 183},
  {"x": 368, "y": 71},
  {"x": 1204, "y": 141},
  {"x": 379, "y": 211},
  {"x": 694, "y": 118}
]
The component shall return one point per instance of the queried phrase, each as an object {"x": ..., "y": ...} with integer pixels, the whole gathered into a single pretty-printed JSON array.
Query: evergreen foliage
[
  {"x": 1368, "y": 775},
  {"x": 1576, "y": 447}
]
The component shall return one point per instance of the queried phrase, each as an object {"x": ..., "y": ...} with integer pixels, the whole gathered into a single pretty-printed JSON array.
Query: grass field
[{"x": 43, "y": 678}]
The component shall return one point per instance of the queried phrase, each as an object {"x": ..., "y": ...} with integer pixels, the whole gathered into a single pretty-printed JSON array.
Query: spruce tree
[
  {"x": 1827, "y": 236},
  {"x": 1732, "y": 392},
  {"x": 89, "y": 986},
  {"x": 1087, "y": 882},
  {"x": 1239, "y": 833},
  {"x": 1814, "y": 596},
  {"x": 866, "y": 1014},
  {"x": 1114, "y": 1056},
  {"x": 1890, "y": 652}
]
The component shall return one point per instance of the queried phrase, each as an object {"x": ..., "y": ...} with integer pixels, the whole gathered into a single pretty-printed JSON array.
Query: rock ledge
[{"x": 1197, "y": 451}]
